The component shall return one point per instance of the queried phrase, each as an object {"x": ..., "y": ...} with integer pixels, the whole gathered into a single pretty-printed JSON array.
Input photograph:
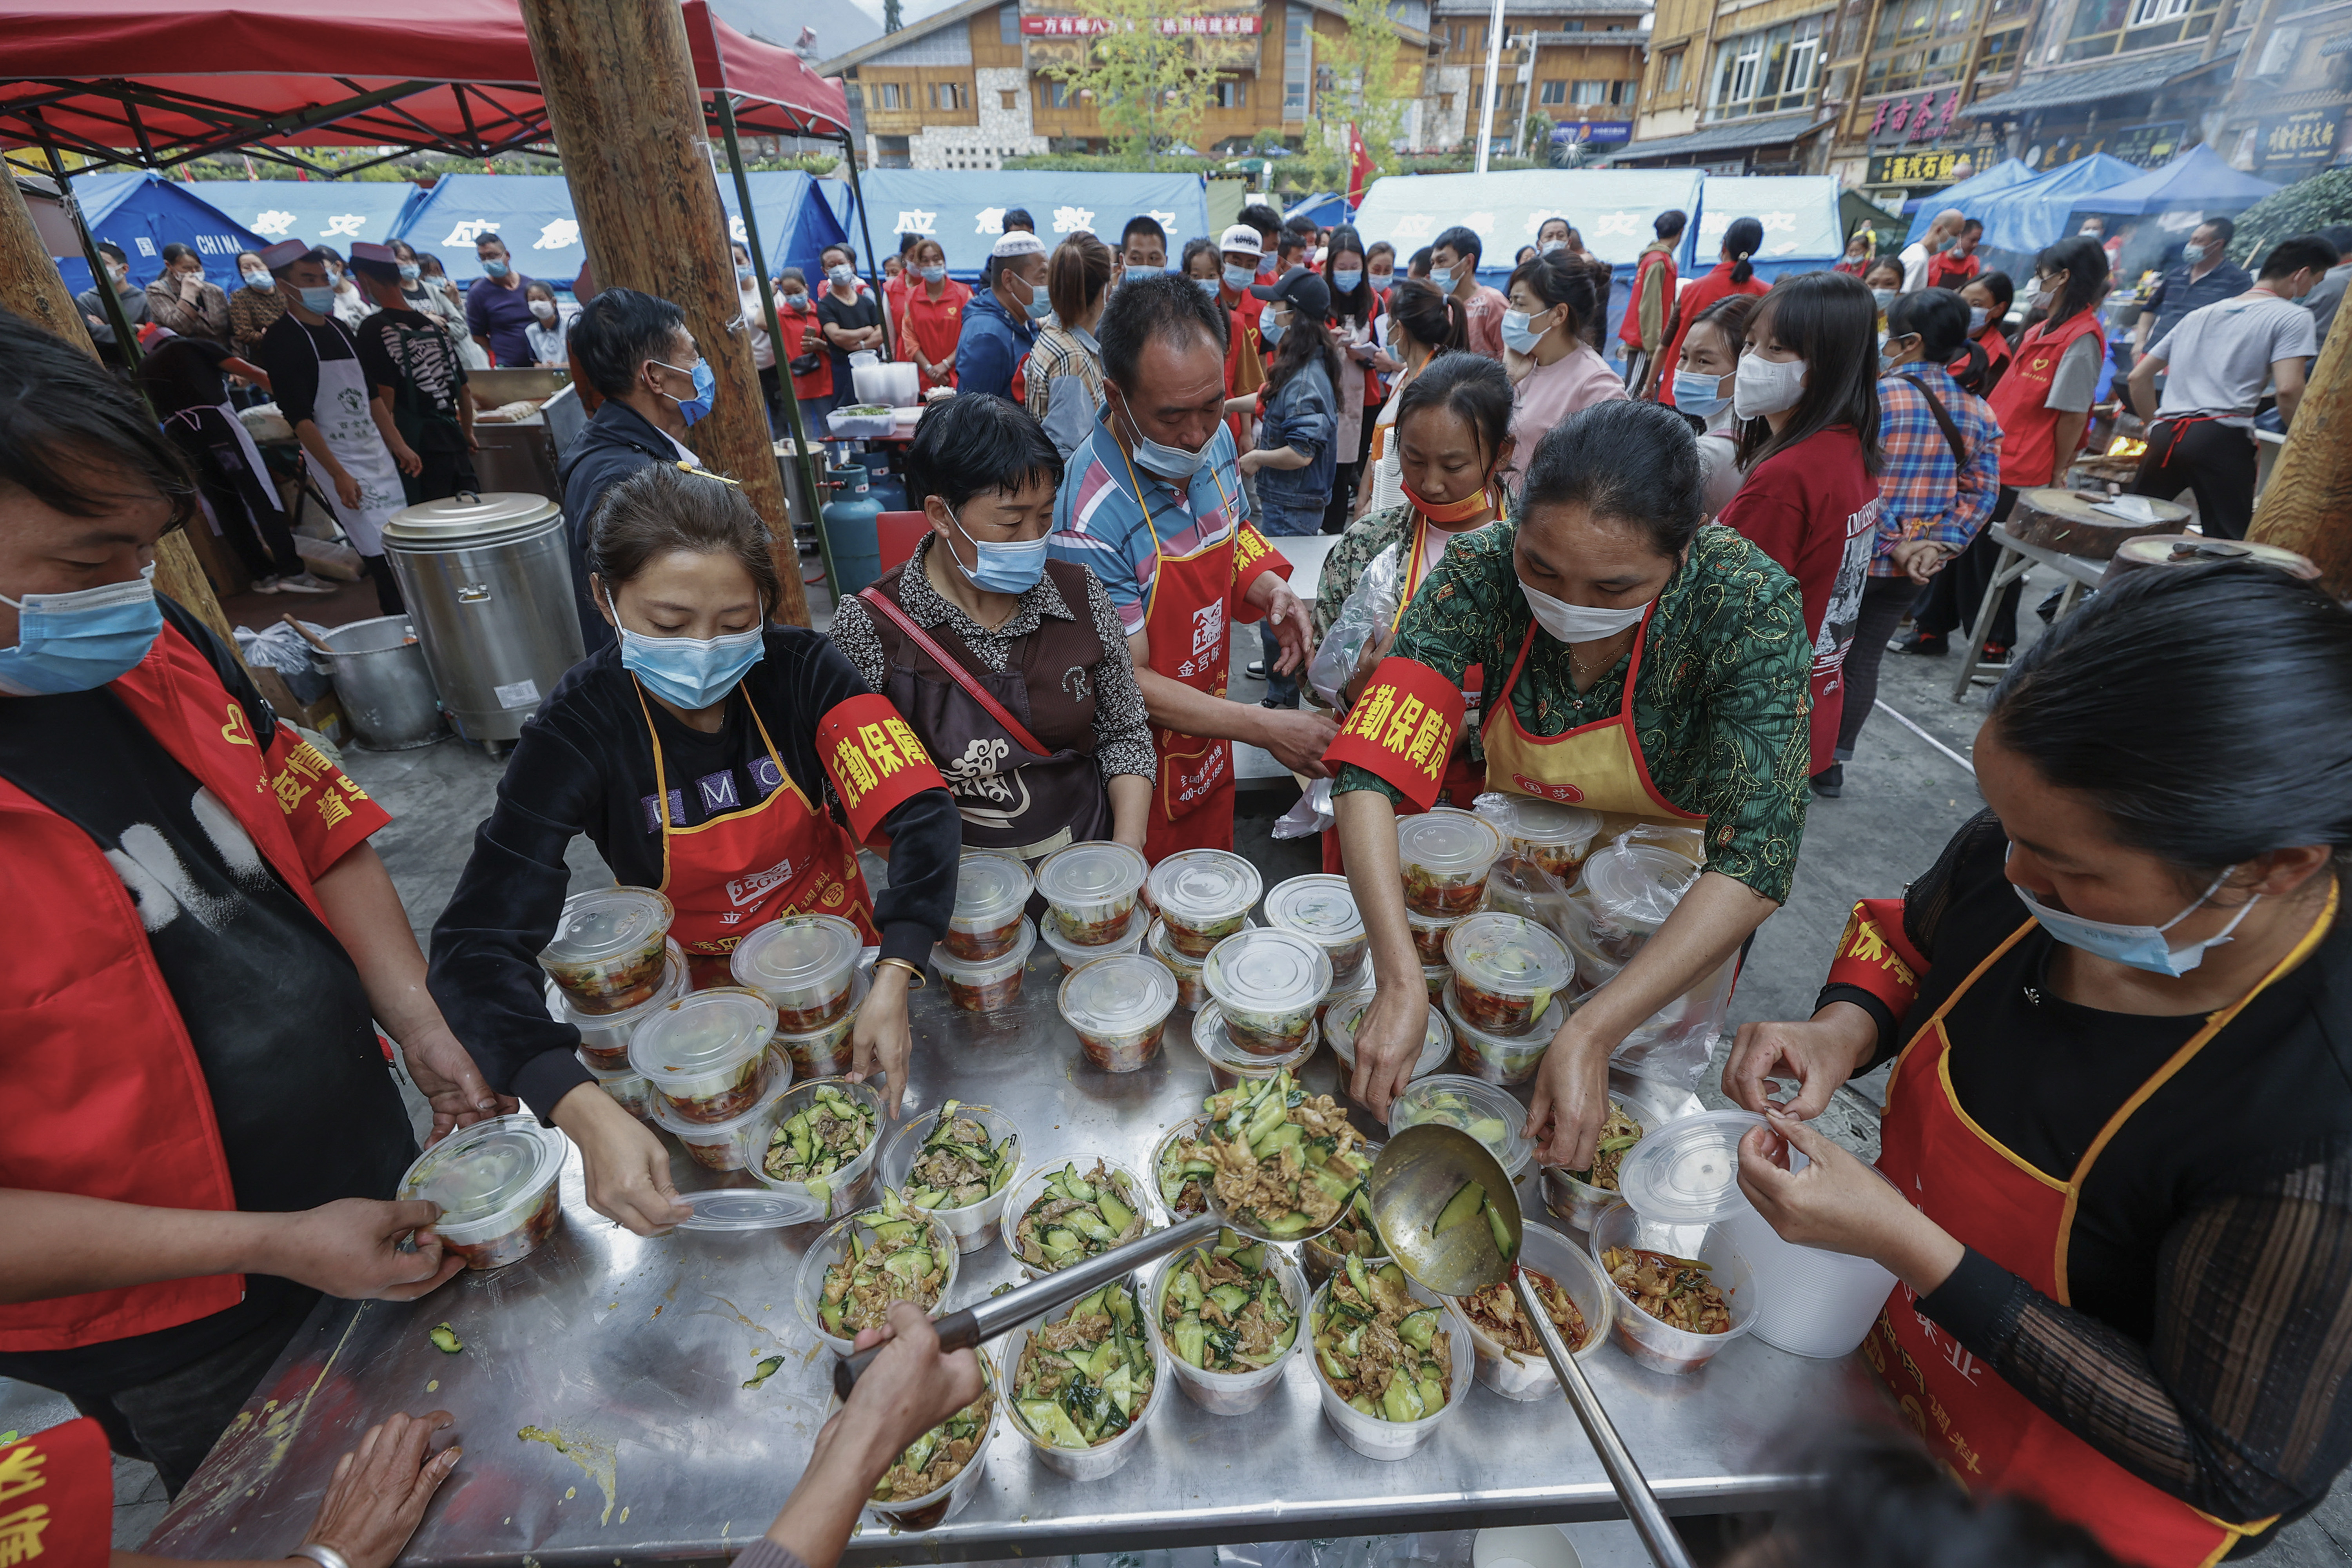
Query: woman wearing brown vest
[{"x": 1013, "y": 669}]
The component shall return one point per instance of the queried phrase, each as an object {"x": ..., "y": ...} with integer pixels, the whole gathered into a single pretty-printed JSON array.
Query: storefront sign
[
  {"x": 1920, "y": 170},
  {"x": 1593, "y": 132},
  {"x": 1080, "y": 26},
  {"x": 2293, "y": 144}
]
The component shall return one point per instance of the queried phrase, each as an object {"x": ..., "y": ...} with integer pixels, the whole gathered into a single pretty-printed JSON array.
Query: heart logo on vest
[{"x": 1566, "y": 794}]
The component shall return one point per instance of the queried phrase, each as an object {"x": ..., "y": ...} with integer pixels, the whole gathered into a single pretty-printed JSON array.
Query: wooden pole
[
  {"x": 2307, "y": 504},
  {"x": 628, "y": 116},
  {"x": 30, "y": 287}
]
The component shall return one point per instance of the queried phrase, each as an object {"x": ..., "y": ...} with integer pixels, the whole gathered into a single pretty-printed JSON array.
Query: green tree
[
  {"x": 1149, "y": 88},
  {"x": 1358, "y": 81}
]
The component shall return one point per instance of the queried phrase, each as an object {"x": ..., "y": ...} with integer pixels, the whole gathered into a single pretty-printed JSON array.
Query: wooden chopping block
[
  {"x": 2196, "y": 549},
  {"x": 2064, "y": 521}
]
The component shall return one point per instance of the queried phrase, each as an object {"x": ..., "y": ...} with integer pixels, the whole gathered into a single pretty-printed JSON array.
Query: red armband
[
  {"x": 57, "y": 1498},
  {"x": 1402, "y": 729},
  {"x": 1873, "y": 955},
  {"x": 1251, "y": 556},
  {"x": 326, "y": 811},
  {"x": 874, "y": 760}
]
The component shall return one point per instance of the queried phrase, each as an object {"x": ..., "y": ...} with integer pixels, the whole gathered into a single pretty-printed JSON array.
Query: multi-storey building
[
  {"x": 1737, "y": 87},
  {"x": 1577, "y": 63}
]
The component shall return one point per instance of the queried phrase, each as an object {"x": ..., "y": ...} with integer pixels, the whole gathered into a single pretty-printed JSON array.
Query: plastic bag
[
  {"x": 277, "y": 647},
  {"x": 1618, "y": 905},
  {"x": 1370, "y": 609},
  {"x": 1311, "y": 816},
  {"x": 1519, "y": 886}
]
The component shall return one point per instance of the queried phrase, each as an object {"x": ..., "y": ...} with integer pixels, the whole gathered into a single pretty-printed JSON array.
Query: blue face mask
[
  {"x": 81, "y": 641},
  {"x": 706, "y": 389},
  {"x": 1516, "y": 335},
  {"x": 323, "y": 301},
  {"x": 1011, "y": 568},
  {"x": 260, "y": 282},
  {"x": 1144, "y": 269},
  {"x": 1041, "y": 304},
  {"x": 690, "y": 672},
  {"x": 1696, "y": 394},
  {"x": 1171, "y": 463},
  {"x": 410, "y": 271},
  {"x": 2137, "y": 947},
  {"x": 494, "y": 268},
  {"x": 1238, "y": 278},
  {"x": 1208, "y": 286},
  {"x": 1345, "y": 279},
  {"x": 1270, "y": 330},
  {"x": 933, "y": 274},
  {"x": 742, "y": 277}
]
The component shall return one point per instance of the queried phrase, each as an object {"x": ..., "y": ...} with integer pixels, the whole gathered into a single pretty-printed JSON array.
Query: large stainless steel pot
[{"x": 487, "y": 579}]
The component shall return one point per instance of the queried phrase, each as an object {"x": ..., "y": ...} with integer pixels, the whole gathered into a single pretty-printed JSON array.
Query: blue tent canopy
[
  {"x": 1612, "y": 209},
  {"x": 2031, "y": 215},
  {"x": 964, "y": 209},
  {"x": 1327, "y": 208},
  {"x": 2198, "y": 178},
  {"x": 1967, "y": 196},
  {"x": 143, "y": 213},
  {"x": 1799, "y": 212},
  {"x": 532, "y": 212},
  {"x": 324, "y": 212}
]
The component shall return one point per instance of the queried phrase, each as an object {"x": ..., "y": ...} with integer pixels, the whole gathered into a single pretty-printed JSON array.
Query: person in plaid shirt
[{"x": 1931, "y": 502}]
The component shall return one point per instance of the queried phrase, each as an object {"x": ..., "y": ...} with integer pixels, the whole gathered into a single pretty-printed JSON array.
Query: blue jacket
[
  {"x": 617, "y": 443},
  {"x": 989, "y": 346},
  {"x": 1302, "y": 417}
]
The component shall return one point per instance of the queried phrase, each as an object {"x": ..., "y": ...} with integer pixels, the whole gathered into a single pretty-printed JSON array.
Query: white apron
[{"x": 341, "y": 415}]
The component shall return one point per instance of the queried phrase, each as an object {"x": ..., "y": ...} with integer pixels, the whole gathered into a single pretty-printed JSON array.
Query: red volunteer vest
[
  {"x": 1630, "y": 334},
  {"x": 2029, "y": 428}
]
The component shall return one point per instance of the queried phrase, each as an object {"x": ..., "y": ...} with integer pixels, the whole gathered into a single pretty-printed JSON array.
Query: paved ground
[{"x": 1903, "y": 799}]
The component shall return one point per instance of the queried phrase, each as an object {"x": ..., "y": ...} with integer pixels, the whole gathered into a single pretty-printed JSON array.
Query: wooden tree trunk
[
  {"x": 621, "y": 100},
  {"x": 2308, "y": 505},
  {"x": 29, "y": 286}
]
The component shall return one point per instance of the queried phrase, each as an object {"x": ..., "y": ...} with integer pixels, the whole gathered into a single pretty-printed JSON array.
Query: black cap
[{"x": 1306, "y": 292}]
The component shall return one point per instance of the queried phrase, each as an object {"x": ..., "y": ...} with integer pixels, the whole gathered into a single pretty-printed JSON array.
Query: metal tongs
[{"x": 1422, "y": 1173}]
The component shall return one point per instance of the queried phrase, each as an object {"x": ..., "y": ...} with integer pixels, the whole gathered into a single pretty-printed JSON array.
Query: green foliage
[
  {"x": 2306, "y": 205},
  {"x": 1366, "y": 90},
  {"x": 1116, "y": 162},
  {"x": 1149, "y": 89}
]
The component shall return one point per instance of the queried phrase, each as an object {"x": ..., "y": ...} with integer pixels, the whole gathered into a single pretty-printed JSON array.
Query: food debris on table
[{"x": 444, "y": 1338}]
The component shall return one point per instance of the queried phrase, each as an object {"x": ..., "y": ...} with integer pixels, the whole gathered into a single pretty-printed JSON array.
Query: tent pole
[
  {"x": 873, "y": 266},
  {"x": 807, "y": 455},
  {"x": 124, "y": 338}
]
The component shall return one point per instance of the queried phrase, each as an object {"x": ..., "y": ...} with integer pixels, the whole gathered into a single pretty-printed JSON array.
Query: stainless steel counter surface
[{"x": 624, "y": 1359}]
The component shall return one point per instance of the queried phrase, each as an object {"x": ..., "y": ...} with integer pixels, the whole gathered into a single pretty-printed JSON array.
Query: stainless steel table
[
  {"x": 2017, "y": 559},
  {"x": 634, "y": 1352}
]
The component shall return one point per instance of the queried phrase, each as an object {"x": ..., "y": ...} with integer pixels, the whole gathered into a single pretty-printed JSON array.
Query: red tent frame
[{"x": 155, "y": 83}]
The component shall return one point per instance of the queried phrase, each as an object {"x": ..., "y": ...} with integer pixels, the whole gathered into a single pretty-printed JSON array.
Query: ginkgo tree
[
  {"x": 1361, "y": 79},
  {"x": 1149, "y": 84}
]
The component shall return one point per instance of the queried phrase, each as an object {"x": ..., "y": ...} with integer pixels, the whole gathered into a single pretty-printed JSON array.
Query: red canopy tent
[{"x": 153, "y": 83}]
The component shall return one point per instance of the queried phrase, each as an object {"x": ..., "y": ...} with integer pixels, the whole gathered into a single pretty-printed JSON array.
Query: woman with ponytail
[
  {"x": 1063, "y": 382},
  {"x": 1730, "y": 275},
  {"x": 1422, "y": 324},
  {"x": 1553, "y": 368}
]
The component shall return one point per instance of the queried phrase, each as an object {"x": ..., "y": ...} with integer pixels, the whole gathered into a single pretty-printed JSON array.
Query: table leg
[{"x": 2003, "y": 574}]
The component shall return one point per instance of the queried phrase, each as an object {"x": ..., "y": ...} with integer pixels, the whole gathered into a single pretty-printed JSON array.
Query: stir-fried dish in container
[
  {"x": 1619, "y": 1133},
  {"x": 1088, "y": 1378},
  {"x": 820, "y": 1138},
  {"x": 957, "y": 1166},
  {"x": 940, "y": 1455},
  {"x": 1495, "y": 1312},
  {"x": 896, "y": 1259},
  {"x": 1287, "y": 1162},
  {"x": 1223, "y": 1308},
  {"x": 1387, "y": 1356},
  {"x": 1077, "y": 1217},
  {"x": 1183, "y": 1173},
  {"x": 1680, "y": 1292}
]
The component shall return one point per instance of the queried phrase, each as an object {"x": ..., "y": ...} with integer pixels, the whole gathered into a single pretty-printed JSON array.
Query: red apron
[
  {"x": 1989, "y": 1434},
  {"x": 783, "y": 856}
]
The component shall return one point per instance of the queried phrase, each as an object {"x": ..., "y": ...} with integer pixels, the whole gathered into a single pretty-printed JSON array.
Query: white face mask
[
  {"x": 543, "y": 308},
  {"x": 1764, "y": 386},
  {"x": 1579, "y": 623}
]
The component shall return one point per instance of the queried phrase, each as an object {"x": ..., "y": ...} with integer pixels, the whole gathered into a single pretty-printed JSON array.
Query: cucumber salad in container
[
  {"x": 1085, "y": 1379},
  {"x": 1222, "y": 1308},
  {"x": 1387, "y": 1356},
  {"x": 1287, "y": 1162}
]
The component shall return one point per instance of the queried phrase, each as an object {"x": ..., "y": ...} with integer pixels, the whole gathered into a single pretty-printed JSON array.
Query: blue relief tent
[
  {"x": 964, "y": 208},
  {"x": 1967, "y": 196},
  {"x": 1327, "y": 208},
  {"x": 532, "y": 212},
  {"x": 324, "y": 212},
  {"x": 1611, "y": 210},
  {"x": 143, "y": 213},
  {"x": 2198, "y": 178},
  {"x": 2031, "y": 215},
  {"x": 1799, "y": 212}
]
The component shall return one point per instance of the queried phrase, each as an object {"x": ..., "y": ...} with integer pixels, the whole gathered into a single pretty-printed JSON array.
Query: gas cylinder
[{"x": 849, "y": 530}]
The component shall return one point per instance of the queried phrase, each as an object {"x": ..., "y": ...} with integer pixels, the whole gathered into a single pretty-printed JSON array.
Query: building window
[
  {"x": 889, "y": 95},
  {"x": 1588, "y": 93},
  {"x": 2103, "y": 28},
  {"x": 1298, "y": 60},
  {"x": 950, "y": 95},
  {"x": 1671, "y": 78},
  {"x": 1231, "y": 93},
  {"x": 1624, "y": 91},
  {"x": 1444, "y": 103},
  {"x": 890, "y": 152},
  {"x": 1768, "y": 72},
  {"x": 2148, "y": 13},
  {"x": 1008, "y": 26},
  {"x": 1057, "y": 95},
  {"x": 1464, "y": 37},
  {"x": 1576, "y": 27},
  {"x": 1553, "y": 92}
]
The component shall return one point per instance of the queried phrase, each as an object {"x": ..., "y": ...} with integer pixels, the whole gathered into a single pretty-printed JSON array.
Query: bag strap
[
  {"x": 955, "y": 669},
  {"x": 1951, "y": 430}
]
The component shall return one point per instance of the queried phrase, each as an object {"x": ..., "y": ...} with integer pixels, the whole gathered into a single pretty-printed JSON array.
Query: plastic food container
[
  {"x": 832, "y": 1245},
  {"x": 825, "y": 1051},
  {"x": 1506, "y": 971},
  {"x": 496, "y": 1183},
  {"x": 1118, "y": 1008},
  {"x": 1231, "y": 1392},
  {"x": 840, "y": 1192},
  {"x": 1498, "y": 1058},
  {"x": 1204, "y": 896},
  {"x": 1659, "y": 1346},
  {"x": 973, "y": 1226},
  {"x": 707, "y": 1054},
  {"x": 1322, "y": 909},
  {"x": 1687, "y": 1171},
  {"x": 1433, "y": 977},
  {"x": 1132, "y": 1191},
  {"x": 1190, "y": 992},
  {"x": 1479, "y": 1109},
  {"x": 1073, "y": 956},
  {"x": 803, "y": 963},
  {"x": 1168, "y": 1179},
  {"x": 937, "y": 1507},
  {"x": 1444, "y": 854},
  {"x": 606, "y": 955},
  {"x": 1809, "y": 1302},
  {"x": 1369, "y": 1434},
  {"x": 1348, "y": 1011},
  {"x": 1527, "y": 1375},
  {"x": 718, "y": 1145},
  {"x": 1428, "y": 933},
  {"x": 1089, "y": 890},
  {"x": 1578, "y": 1202},
  {"x": 627, "y": 1086},
  {"x": 989, "y": 985},
  {"x": 1267, "y": 983},
  {"x": 1321, "y": 1260},
  {"x": 604, "y": 1037},
  {"x": 1556, "y": 838},
  {"x": 991, "y": 890},
  {"x": 1104, "y": 1459},
  {"x": 1625, "y": 895},
  {"x": 1228, "y": 1063}
]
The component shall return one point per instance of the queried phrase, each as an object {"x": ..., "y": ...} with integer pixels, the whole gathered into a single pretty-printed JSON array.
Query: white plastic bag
[
  {"x": 1311, "y": 816},
  {"x": 1370, "y": 609}
]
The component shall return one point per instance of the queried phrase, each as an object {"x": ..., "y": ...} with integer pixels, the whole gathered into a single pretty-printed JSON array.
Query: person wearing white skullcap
[{"x": 1000, "y": 325}]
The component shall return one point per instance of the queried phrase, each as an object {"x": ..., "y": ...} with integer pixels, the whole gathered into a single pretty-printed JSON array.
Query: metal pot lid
[{"x": 467, "y": 518}]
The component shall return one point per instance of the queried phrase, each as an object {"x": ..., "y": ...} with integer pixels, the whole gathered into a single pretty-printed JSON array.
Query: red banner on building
[{"x": 1237, "y": 24}]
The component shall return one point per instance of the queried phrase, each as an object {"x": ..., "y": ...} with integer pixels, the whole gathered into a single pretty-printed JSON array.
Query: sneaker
[
  {"x": 1928, "y": 643},
  {"x": 1994, "y": 656},
  {"x": 268, "y": 584},
  {"x": 1830, "y": 783},
  {"x": 304, "y": 583},
  {"x": 1270, "y": 702},
  {"x": 1257, "y": 670}
]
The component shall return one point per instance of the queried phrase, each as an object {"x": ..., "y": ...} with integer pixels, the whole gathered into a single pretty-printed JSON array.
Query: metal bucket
[{"x": 380, "y": 675}]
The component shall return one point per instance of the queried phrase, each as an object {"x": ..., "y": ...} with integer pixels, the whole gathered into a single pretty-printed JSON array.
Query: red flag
[{"x": 1360, "y": 166}]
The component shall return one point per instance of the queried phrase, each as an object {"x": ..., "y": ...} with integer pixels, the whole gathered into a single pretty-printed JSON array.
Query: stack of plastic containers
[
  {"x": 1347, "y": 1012},
  {"x": 604, "y": 1037},
  {"x": 707, "y": 1058},
  {"x": 1118, "y": 1008},
  {"x": 1091, "y": 892},
  {"x": 1443, "y": 855},
  {"x": 991, "y": 892},
  {"x": 991, "y": 984},
  {"x": 1204, "y": 896},
  {"x": 496, "y": 1183},
  {"x": 1323, "y": 910},
  {"x": 1267, "y": 983},
  {"x": 607, "y": 955},
  {"x": 1229, "y": 1064},
  {"x": 1556, "y": 838},
  {"x": 1625, "y": 894},
  {"x": 803, "y": 964}
]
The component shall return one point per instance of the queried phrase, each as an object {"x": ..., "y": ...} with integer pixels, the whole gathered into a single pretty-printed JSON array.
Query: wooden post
[
  {"x": 29, "y": 286},
  {"x": 2308, "y": 505},
  {"x": 627, "y": 117}
]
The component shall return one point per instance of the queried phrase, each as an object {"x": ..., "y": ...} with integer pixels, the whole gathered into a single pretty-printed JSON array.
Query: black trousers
[
  {"x": 1883, "y": 600},
  {"x": 241, "y": 500},
  {"x": 2214, "y": 461},
  {"x": 443, "y": 475},
  {"x": 1953, "y": 594}
]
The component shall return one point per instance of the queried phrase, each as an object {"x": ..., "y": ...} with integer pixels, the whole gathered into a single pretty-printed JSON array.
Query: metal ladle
[{"x": 1421, "y": 1170}]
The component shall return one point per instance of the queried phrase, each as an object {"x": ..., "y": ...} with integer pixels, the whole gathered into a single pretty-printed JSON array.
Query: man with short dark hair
[
  {"x": 634, "y": 349},
  {"x": 498, "y": 312},
  {"x": 1291, "y": 249},
  {"x": 2205, "y": 276},
  {"x": 1019, "y": 218},
  {"x": 92, "y": 303},
  {"x": 1268, "y": 224},
  {"x": 420, "y": 378},
  {"x": 1645, "y": 328},
  {"x": 1453, "y": 268},
  {"x": 1152, "y": 501},
  {"x": 2221, "y": 358},
  {"x": 1958, "y": 264},
  {"x": 2322, "y": 302},
  {"x": 1142, "y": 247},
  {"x": 1000, "y": 325}
]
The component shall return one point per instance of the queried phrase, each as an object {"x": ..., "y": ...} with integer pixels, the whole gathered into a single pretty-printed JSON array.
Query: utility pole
[
  {"x": 624, "y": 107},
  {"x": 1486, "y": 98},
  {"x": 2304, "y": 505}
]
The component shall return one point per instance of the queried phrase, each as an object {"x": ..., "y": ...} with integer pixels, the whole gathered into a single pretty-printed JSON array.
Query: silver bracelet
[{"x": 324, "y": 1557}]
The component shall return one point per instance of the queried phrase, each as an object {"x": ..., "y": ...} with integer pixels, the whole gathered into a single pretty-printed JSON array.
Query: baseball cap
[
  {"x": 1243, "y": 238},
  {"x": 1306, "y": 292}
]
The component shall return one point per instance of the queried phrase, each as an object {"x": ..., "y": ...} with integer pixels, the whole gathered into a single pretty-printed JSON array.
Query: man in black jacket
[
  {"x": 634, "y": 349},
  {"x": 93, "y": 303}
]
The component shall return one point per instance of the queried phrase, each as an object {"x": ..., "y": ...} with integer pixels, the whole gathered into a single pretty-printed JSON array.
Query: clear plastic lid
[
  {"x": 702, "y": 1033},
  {"x": 1320, "y": 907},
  {"x": 1535, "y": 1039},
  {"x": 1214, "y": 1042},
  {"x": 981, "y": 970},
  {"x": 1543, "y": 821},
  {"x": 1124, "y": 995},
  {"x": 990, "y": 889},
  {"x": 1687, "y": 1171},
  {"x": 1266, "y": 970},
  {"x": 1476, "y": 1106},
  {"x": 479, "y": 1172},
  {"x": 1637, "y": 885},
  {"x": 1090, "y": 873},
  {"x": 1130, "y": 938},
  {"x": 748, "y": 1208},
  {"x": 795, "y": 952},
  {"x": 1200, "y": 885},
  {"x": 1443, "y": 840},
  {"x": 605, "y": 923},
  {"x": 1507, "y": 955},
  {"x": 1347, "y": 1012}
]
